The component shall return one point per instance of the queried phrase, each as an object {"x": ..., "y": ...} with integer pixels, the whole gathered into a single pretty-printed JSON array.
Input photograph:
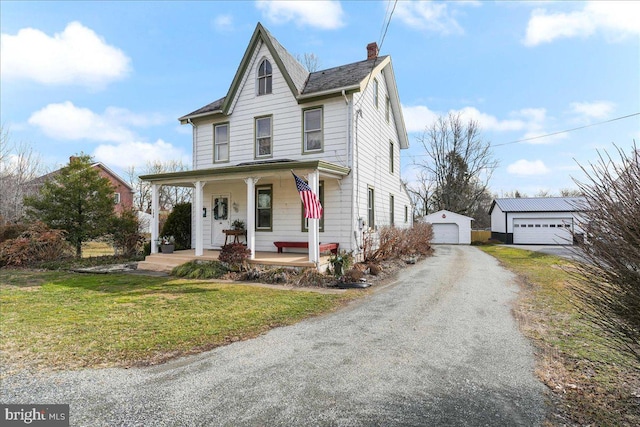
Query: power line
[
  {"x": 373, "y": 66},
  {"x": 564, "y": 131}
]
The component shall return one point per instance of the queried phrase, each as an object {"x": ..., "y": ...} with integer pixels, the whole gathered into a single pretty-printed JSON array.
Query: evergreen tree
[{"x": 77, "y": 200}]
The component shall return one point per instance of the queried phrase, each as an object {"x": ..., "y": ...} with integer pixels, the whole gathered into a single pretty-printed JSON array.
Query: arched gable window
[{"x": 264, "y": 77}]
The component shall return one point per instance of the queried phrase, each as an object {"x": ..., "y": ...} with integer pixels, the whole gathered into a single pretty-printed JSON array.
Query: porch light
[{"x": 204, "y": 212}]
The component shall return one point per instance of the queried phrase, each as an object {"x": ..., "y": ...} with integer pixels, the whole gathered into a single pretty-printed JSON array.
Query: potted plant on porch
[
  {"x": 237, "y": 224},
  {"x": 167, "y": 244}
]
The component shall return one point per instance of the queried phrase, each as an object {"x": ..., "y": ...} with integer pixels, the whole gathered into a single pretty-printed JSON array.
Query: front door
[{"x": 220, "y": 210}]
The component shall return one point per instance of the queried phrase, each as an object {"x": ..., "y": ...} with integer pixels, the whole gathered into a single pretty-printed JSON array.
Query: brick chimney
[{"x": 372, "y": 50}]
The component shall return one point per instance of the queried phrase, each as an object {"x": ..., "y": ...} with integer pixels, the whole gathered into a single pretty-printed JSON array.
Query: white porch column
[
  {"x": 251, "y": 215},
  {"x": 314, "y": 223},
  {"x": 155, "y": 217},
  {"x": 198, "y": 196}
]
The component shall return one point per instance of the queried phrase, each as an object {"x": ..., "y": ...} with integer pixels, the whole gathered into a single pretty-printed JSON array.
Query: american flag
[{"x": 312, "y": 206}]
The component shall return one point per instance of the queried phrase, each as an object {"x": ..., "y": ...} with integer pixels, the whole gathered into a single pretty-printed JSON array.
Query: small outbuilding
[
  {"x": 537, "y": 220},
  {"x": 450, "y": 227}
]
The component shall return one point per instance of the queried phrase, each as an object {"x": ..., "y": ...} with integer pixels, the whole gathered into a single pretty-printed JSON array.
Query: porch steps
[{"x": 164, "y": 262}]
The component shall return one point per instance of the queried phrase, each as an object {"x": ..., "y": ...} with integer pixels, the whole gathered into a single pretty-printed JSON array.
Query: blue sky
[{"x": 111, "y": 78}]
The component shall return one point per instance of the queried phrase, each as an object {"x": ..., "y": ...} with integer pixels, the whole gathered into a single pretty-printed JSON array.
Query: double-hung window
[
  {"x": 263, "y": 137},
  {"x": 391, "y": 157},
  {"x": 221, "y": 142},
  {"x": 371, "y": 203},
  {"x": 375, "y": 92},
  {"x": 265, "y": 77},
  {"x": 392, "y": 210},
  {"x": 264, "y": 208},
  {"x": 312, "y": 130},
  {"x": 387, "y": 111}
]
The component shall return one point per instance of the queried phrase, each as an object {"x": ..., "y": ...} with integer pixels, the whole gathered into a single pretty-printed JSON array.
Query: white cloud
[
  {"x": 135, "y": 153},
  {"x": 75, "y": 56},
  {"x": 528, "y": 168},
  {"x": 326, "y": 15},
  {"x": 596, "y": 110},
  {"x": 65, "y": 121},
  {"x": 616, "y": 19},
  {"x": 489, "y": 122},
  {"x": 417, "y": 118},
  {"x": 223, "y": 23},
  {"x": 430, "y": 16}
]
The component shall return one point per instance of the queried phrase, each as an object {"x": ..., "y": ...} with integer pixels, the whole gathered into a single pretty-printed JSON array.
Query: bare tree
[
  {"x": 19, "y": 164},
  {"x": 420, "y": 191},
  {"x": 459, "y": 162},
  {"x": 310, "y": 61},
  {"x": 608, "y": 284},
  {"x": 169, "y": 195}
]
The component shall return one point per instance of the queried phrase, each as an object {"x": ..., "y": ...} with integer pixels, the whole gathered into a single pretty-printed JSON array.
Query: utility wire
[
  {"x": 564, "y": 131},
  {"x": 373, "y": 66}
]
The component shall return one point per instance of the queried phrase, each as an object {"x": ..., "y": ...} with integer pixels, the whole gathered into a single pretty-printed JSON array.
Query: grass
[
  {"x": 62, "y": 320},
  {"x": 590, "y": 382},
  {"x": 96, "y": 249}
]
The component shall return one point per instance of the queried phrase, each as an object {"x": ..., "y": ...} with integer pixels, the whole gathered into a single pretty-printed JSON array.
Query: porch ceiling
[{"x": 245, "y": 170}]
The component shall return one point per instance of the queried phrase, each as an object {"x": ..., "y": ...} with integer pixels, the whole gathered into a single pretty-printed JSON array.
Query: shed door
[
  {"x": 446, "y": 233},
  {"x": 542, "y": 231}
]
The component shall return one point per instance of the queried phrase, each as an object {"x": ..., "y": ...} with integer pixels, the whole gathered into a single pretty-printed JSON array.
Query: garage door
[
  {"x": 542, "y": 231},
  {"x": 445, "y": 233}
]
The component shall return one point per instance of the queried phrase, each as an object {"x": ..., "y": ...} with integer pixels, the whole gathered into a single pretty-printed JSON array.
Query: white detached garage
[{"x": 450, "y": 227}]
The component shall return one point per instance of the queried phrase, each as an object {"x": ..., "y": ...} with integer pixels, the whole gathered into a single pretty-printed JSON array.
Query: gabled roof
[
  {"x": 293, "y": 72},
  {"x": 51, "y": 175},
  {"x": 539, "y": 204},
  {"x": 306, "y": 86},
  {"x": 340, "y": 77},
  {"x": 447, "y": 213}
]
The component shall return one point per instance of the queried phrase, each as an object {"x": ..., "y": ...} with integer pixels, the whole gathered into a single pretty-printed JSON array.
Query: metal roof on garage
[{"x": 540, "y": 204}]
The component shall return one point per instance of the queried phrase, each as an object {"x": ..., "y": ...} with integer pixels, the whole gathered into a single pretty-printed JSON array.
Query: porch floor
[{"x": 166, "y": 262}]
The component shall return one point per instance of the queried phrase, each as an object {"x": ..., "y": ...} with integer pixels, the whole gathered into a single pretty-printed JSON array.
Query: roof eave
[{"x": 185, "y": 119}]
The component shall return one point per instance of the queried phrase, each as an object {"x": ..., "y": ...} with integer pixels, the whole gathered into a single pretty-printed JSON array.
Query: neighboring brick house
[{"x": 122, "y": 194}]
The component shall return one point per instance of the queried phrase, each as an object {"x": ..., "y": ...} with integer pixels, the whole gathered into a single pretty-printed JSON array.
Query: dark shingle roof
[
  {"x": 541, "y": 204},
  {"x": 342, "y": 76},
  {"x": 209, "y": 108}
]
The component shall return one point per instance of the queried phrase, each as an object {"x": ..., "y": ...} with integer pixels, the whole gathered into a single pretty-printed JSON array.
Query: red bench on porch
[{"x": 324, "y": 247}]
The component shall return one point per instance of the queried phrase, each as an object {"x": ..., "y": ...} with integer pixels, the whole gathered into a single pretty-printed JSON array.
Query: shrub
[
  {"x": 353, "y": 275},
  {"x": 178, "y": 225},
  {"x": 36, "y": 244},
  {"x": 608, "y": 283},
  {"x": 200, "y": 270},
  {"x": 394, "y": 243},
  {"x": 125, "y": 235},
  {"x": 235, "y": 255},
  {"x": 11, "y": 231}
]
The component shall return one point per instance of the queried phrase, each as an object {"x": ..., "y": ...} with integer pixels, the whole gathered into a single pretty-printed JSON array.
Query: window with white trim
[
  {"x": 221, "y": 142},
  {"x": 263, "y": 137},
  {"x": 375, "y": 92},
  {"x": 371, "y": 217},
  {"x": 264, "y": 208},
  {"x": 265, "y": 77},
  {"x": 312, "y": 130}
]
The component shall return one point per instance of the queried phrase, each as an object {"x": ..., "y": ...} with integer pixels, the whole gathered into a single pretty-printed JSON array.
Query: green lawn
[
  {"x": 591, "y": 382},
  {"x": 66, "y": 320}
]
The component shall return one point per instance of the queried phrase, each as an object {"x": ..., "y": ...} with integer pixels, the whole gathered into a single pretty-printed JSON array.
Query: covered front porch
[
  {"x": 263, "y": 196},
  {"x": 166, "y": 262}
]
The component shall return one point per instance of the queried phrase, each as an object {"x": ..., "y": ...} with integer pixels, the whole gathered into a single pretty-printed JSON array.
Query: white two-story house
[{"x": 341, "y": 129}]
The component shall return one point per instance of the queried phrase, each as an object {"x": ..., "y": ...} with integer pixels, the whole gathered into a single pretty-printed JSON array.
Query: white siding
[{"x": 372, "y": 134}]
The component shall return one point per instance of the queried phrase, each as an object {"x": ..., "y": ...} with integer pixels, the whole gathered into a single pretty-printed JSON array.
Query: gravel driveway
[{"x": 438, "y": 347}]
